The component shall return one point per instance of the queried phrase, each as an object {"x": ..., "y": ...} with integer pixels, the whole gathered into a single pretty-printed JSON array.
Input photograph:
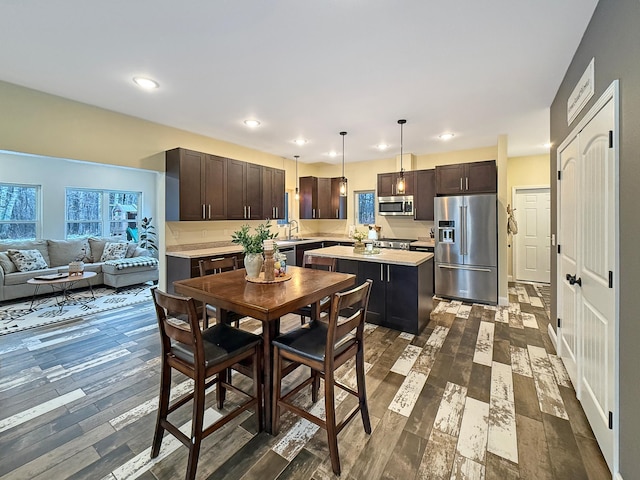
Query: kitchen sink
[{"x": 293, "y": 239}]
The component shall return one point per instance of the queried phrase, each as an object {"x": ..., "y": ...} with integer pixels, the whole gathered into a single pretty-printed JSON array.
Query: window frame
[{"x": 37, "y": 221}]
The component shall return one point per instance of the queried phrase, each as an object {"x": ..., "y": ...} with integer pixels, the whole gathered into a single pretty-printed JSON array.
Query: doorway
[{"x": 532, "y": 244}]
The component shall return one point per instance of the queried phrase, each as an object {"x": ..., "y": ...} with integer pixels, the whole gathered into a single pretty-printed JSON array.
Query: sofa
[{"x": 117, "y": 263}]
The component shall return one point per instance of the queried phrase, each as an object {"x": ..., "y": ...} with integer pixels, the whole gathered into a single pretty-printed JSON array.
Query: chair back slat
[
  {"x": 356, "y": 300},
  {"x": 212, "y": 266},
  {"x": 325, "y": 263}
]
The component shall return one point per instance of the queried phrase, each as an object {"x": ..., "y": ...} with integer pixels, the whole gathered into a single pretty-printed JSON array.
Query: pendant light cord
[{"x": 401, "y": 122}]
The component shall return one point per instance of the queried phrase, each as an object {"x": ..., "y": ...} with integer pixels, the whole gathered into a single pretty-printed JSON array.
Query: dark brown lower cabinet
[
  {"x": 401, "y": 296},
  {"x": 179, "y": 268}
]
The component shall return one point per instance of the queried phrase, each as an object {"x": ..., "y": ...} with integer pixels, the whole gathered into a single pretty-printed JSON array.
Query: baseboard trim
[
  {"x": 618, "y": 476},
  {"x": 553, "y": 336}
]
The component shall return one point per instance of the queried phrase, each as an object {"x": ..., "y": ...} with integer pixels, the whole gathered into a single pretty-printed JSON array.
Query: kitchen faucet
[{"x": 291, "y": 228}]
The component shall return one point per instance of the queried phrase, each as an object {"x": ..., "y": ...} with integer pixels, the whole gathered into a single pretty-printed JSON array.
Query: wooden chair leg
[
  {"x": 277, "y": 380},
  {"x": 196, "y": 428},
  {"x": 221, "y": 392},
  {"x": 362, "y": 391},
  {"x": 330, "y": 411},
  {"x": 257, "y": 386},
  {"x": 315, "y": 386},
  {"x": 163, "y": 408}
]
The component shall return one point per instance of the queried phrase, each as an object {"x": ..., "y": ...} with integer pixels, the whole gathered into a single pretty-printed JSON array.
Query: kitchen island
[{"x": 402, "y": 292}]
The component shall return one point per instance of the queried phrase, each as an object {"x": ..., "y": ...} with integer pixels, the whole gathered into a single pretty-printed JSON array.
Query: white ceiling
[{"x": 307, "y": 68}]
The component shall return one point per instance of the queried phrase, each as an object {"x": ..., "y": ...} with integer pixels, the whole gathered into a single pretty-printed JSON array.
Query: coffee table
[{"x": 62, "y": 285}]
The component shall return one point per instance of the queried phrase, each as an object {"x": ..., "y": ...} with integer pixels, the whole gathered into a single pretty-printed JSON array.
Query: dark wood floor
[{"x": 478, "y": 394}]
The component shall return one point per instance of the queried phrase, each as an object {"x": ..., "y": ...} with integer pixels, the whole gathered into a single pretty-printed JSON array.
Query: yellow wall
[{"x": 526, "y": 171}]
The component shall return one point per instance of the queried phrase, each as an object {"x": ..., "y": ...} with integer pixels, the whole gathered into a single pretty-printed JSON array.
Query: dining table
[{"x": 267, "y": 302}]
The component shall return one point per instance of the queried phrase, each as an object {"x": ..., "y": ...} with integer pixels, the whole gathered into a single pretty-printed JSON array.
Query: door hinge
[
  {"x": 610, "y": 138},
  {"x": 558, "y": 249},
  {"x": 610, "y": 420},
  {"x": 559, "y": 323},
  {"x": 559, "y": 175},
  {"x": 610, "y": 279}
]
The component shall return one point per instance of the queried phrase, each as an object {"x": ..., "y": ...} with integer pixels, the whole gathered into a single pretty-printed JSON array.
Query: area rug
[{"x": 22, "y": 314}]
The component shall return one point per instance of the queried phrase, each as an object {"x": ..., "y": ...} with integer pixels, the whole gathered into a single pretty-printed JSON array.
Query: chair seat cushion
[
  {"x": 310, "y": 341},
  {"x": 221, "y": 342}
]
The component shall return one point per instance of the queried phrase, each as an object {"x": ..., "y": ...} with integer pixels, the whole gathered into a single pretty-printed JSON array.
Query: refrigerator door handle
[{"x": 473, "y": 269}]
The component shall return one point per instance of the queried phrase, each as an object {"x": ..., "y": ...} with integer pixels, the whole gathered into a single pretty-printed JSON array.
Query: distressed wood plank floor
[{"x": 479, "y": 394}]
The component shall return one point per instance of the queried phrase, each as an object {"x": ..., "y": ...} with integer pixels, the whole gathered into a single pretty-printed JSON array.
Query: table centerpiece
[
  {"x": 358, "y": 236},
  {"x": 253, "y": 246}
]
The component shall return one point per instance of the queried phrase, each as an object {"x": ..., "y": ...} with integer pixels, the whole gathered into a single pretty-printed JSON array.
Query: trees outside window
[
  {"x": 102, "y": 213},
  {"x": 365, "y": 207},
  {"x": 19, "y": 211}
]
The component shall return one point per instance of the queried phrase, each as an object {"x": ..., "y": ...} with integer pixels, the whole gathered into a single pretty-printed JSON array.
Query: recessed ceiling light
[
  {"x": 252, "y": 123},
  {"x": 146, "y": 83},
  {"x": 382, "y": 146},
  {"x": 300, "y": 141},
  {"x": 446, "y": 136}
]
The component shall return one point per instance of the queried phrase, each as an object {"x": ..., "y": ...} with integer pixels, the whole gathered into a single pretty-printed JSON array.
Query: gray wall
[{"x": 613, "y": 38}]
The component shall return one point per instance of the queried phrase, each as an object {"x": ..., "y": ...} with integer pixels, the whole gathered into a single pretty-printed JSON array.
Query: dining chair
[
  {"x": 204, "y": 356},
  {"x": 323, "y": 347},
  {"x": 211, "y": 266},
  {"x": 324, "y": 263}
]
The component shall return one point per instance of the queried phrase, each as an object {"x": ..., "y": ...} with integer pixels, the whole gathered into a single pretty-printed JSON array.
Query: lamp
[
  {"x": 401, "y": 183},
  {"x": 297, "y": 190},
  {"x": 343, "y": 180}
]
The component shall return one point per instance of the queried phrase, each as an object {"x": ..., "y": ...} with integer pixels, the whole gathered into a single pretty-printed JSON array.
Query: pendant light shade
[
  {"x": 297, "y": 189},
  {"x": 343, "y": 180},
  {"x": 401, "y": 184}
]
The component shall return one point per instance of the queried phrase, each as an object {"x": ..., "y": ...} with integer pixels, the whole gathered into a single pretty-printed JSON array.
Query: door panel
[{"x": 532, "y": 262}]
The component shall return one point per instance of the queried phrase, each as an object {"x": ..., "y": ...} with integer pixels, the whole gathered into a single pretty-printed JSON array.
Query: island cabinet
[
  {"x": 425, "y": 192},
  {"x": 465, "y": 178},
  {"x": 402, "y": 292},
  {"x": 387, "y": 183},
  {"x": 272, "y": 193},
  {"x": 320, "y": 198},
  {"x": 244, "y": 190},
  {"x": 195, "y": 186}
]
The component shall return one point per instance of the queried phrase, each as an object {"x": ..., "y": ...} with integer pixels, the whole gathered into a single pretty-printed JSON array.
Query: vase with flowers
[
  {"x": 252, "y": 246},
  {"x": 358, "y": 245}
]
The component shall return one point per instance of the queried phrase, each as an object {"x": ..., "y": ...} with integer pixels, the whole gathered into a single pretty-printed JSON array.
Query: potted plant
[
  {"x": 252, "y": 246},
  {"x": 148, "y": 237},
  {"x": 358, "y": 246}
]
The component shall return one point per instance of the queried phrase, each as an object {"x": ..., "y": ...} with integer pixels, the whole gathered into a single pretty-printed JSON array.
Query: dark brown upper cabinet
[
  {"x": 195, "y": 186},
  {"x": 273, "y": 193},
  {"x": 464, "y": 178},
  {"x": 244, "y": 190},
  {"x": 425, "y": 192},
  {"x": 387, "y": 183},
  {"x": 320, "y": 198}
]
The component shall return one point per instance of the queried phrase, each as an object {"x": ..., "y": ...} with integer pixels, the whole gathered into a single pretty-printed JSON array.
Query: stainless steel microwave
[{"x": 396, "y": 205}]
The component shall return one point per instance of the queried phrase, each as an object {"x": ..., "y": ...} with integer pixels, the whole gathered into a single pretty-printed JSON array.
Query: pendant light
[
  {"x": 297, "y": 189},
  {"x": 401, "y": 183},
  {"x": 343, "y": 180}
]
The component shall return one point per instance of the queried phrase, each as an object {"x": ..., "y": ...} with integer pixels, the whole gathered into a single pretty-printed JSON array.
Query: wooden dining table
[{"x": 267, "y": 302}]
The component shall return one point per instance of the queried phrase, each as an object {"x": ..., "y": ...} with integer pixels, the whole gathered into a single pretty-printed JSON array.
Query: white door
[
  {"x": 568, "y": 258},
  {"x": 587, "y": 259},
  {"x": 596, "y": 266},
  {"x": 532, "y": 244}
]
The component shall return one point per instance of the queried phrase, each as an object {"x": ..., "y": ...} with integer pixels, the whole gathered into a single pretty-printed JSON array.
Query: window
[
  {"x": 285, "y": 217},
  {"x": 365, "y": 207},
  {"x": 19, "y": 211},
  {"x": 102, "y": 213}
]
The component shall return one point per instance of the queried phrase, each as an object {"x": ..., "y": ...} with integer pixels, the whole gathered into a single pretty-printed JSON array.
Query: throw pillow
[
  {"x": 113, "y": 251},
  {"x": 27, "y": 260},
  {"x": 131, "y": 247},
  {"x": 7, "y": 265},
  {"x": 62, "y": 252}
]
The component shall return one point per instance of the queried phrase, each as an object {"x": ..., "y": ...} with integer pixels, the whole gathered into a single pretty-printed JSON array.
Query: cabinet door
[
  {"x": 425, "y": 191},
  {"x": 184, "y": 185},
  {"x": 324, "y": 198},
  {"x": 236, "y": 190},
  {"x": 402, "y": 305},
  {"x": 308, "y": 197},
  {"x": 481, "y": 177},
  {"x": 253, "y": 191},
  {"x": 272, "y": 193},
  {"x": 386, "y": 184},
  {"x": 409, "y": 182},
  {"x": 215, "y": 193},
  {"x": 377, "y": 297},
  {"x": 301, "y": 248},
  {"x": 338, "y": 203},
  {"x": 449, "y": 179}
]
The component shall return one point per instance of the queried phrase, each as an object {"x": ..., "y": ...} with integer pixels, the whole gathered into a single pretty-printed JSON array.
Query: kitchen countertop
[
  {"x": 386, "y": 255},
  {"x": 424, "y": 243}
]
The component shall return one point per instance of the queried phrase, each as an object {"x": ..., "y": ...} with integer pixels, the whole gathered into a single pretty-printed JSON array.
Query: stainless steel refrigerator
[{"x": 466, "y": 247}]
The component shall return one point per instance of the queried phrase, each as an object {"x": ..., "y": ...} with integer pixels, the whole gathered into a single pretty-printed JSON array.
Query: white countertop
[{"x": 386, "y": 255}]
